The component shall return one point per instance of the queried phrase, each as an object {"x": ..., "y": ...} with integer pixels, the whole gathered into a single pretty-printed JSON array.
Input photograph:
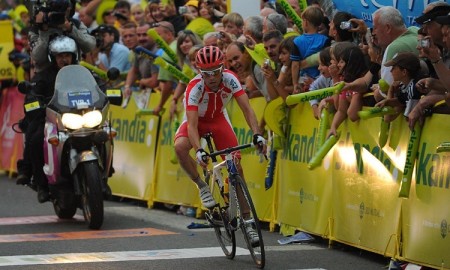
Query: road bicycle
[{"x": 234, "y": 207}]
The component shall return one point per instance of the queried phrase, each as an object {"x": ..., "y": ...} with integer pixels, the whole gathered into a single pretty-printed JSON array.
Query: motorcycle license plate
[{"x": 80, "y": 100}]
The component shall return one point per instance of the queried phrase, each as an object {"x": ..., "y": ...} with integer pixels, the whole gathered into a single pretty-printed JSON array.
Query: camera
[
  {"x": 346, "y": 25},
  {"x": 267, "y": 62},
  {"x": 183, "y": 10},
  {"x": 54, "y": 11},
  {"x": 424, "y": 43}
]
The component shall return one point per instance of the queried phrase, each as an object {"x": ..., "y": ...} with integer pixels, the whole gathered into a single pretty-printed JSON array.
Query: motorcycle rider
[{"x": 62, "y": 51}]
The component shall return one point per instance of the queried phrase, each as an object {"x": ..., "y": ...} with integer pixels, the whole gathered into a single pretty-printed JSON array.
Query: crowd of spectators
[{"x": 270, "y": 54}]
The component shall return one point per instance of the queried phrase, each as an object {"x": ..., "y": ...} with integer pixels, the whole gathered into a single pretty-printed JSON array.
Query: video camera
[{"x": 54, "y": 11}]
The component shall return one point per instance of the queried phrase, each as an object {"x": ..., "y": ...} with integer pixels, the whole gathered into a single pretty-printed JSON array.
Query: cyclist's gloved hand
[
  {"x": 258, "y": 140},
  {"x": 260, "y": 143},
  {"x": 202, "y": 157}
]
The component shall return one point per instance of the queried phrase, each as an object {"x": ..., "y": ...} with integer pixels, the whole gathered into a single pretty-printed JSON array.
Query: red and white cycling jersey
[{"x": 211, "y": 104}]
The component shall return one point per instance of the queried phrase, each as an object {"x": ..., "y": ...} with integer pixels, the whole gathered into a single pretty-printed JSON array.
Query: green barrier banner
[
  {"x": 135, "y": 150},
  {"x": 425, "y": 215},
  {"x": 304, "y": 196},
  {"x": 7, "y": 70},
  {"x": 366, "y": 208}
]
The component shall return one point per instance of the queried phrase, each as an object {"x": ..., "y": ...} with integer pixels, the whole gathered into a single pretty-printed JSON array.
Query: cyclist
[{"x": 206, "y": 97}]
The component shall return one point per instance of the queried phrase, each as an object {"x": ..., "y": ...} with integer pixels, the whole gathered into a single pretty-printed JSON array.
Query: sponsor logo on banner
[
  {"x": 433, "y": 170},
  {"x": 364, "y": 9},
  {"x": 298, "y": 147},
  {"x": 136, "y": 130},
  {"x": 444, "y": 228},
  {"x": 306, "y": 196}
]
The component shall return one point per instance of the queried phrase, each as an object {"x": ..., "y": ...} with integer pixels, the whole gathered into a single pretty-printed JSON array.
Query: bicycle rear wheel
[
  {"x": 218, "y": 217},
  {"x": 250, "y": 219}
]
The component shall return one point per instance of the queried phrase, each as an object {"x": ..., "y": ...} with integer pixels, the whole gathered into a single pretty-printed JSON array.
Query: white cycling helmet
[{"x": 62, "y": 44}]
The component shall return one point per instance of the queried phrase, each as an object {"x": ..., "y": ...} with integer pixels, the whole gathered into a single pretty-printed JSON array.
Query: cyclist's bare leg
[{"x": 187, "y": 163}]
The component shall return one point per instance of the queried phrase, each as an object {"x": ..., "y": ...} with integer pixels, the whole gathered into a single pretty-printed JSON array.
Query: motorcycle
[{"x": 78, "y": 143}]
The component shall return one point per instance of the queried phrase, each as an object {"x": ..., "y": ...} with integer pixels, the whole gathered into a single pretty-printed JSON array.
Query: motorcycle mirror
[
  {"x": 25, "y": 87},
  {"x": 113, "y": 73}
]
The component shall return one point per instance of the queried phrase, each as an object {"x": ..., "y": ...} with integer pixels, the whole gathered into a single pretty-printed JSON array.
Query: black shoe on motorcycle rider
[
  {"x": 43, "y": 194},
  {"x": 23, "y": 179},
  {"x": 107, "y": 193}
]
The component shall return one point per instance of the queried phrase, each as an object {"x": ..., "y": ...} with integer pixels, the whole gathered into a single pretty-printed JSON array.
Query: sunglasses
[{"x": 211, "y": 73}]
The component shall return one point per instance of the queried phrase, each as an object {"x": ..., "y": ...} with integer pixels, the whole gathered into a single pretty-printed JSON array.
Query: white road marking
[{"x": 139, "y": 255}]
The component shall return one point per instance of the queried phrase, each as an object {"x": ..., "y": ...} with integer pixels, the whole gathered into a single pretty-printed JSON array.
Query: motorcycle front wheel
[{"x": 92, "y": 196}]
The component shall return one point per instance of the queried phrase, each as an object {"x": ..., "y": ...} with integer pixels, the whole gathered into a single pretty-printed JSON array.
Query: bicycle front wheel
[
  {"x": 220, "y": 221},
  {"x": 249, "y": 223}
]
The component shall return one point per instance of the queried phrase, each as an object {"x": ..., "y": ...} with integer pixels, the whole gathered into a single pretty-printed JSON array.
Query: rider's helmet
[
  {"x": 209, "y": 57},
  {"x": 62, "y": 44}
]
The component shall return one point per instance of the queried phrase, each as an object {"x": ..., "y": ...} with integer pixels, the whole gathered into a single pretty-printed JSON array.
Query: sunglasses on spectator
[
  {"x": 107, "y": 13},
  {"x": 211, "y": 73}
]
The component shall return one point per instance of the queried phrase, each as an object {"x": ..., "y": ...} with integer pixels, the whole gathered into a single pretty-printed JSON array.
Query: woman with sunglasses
[{"x": 205, "y": 101}]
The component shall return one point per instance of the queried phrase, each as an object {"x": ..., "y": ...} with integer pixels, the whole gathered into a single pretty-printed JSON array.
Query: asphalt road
[{"x": 135, "y": 237}]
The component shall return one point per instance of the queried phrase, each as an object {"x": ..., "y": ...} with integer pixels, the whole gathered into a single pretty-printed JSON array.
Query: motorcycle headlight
[
  {"x": 76, "y": 121},
  {"x": 92, "y": 119}
]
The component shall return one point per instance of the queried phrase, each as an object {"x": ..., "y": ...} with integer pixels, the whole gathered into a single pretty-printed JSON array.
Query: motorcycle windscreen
[{"x": 76, "y": 89}]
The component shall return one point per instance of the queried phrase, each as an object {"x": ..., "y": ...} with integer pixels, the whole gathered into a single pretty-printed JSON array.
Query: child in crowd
[
  {"x": 403, "y": 93},
  {"x": 349, "y": 103},
  {"x": 307, "y": 44},
  {"x": 323, "y": 81}
]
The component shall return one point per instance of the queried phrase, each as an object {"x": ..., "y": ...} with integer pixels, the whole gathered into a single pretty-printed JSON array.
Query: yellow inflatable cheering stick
[
  {"x": 411, "y": 154},
  {"x": 291, "y": 13},
  {"x": 162, "y": 44},
  {"x": 175, "y": 71},
  {"x": 316, "y": 94},
  {"x": 323, "y": 150},
  {"x": 324, "y": 124},
  {"x": 375, "y": 112}
]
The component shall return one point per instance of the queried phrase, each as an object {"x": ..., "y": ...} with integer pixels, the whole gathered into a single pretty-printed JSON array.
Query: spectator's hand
[
  {"x": 361, "y": 27},
  {"x": 202, "y": 157},
  {"x": 66, "y": 26},
  {"x": 173, "y": 109},
  {"x": 382, "y": 103},
  {"x": 415, "y": 115},
  {"x": 332, "y": 131},
  {"x": 334, "y": 70},
  {"x": 250, "y": 42},
  {"x": 432, "y": 52},
  {"x": 316, "y": 111},
  {"x": 375, "y": 54},
  {"x": 268, "y": 73},
  {"x": 127, "y": 91},
  {"x": 323, "y": 105}
]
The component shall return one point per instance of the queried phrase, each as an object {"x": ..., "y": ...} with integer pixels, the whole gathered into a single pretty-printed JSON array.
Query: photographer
[{"x": 53, "y": 19}]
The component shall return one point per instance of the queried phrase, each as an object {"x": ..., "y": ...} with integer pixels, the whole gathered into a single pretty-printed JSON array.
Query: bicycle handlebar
[{"x": 230, "y": 150}]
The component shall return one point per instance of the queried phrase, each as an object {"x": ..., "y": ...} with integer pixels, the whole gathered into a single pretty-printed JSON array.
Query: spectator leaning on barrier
[
  {"x": 142, "y": 67},
  {"x": 167, "y": 82},
  {"x": 436, "y": 90},
  {"x": 402, "y": 94}
]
